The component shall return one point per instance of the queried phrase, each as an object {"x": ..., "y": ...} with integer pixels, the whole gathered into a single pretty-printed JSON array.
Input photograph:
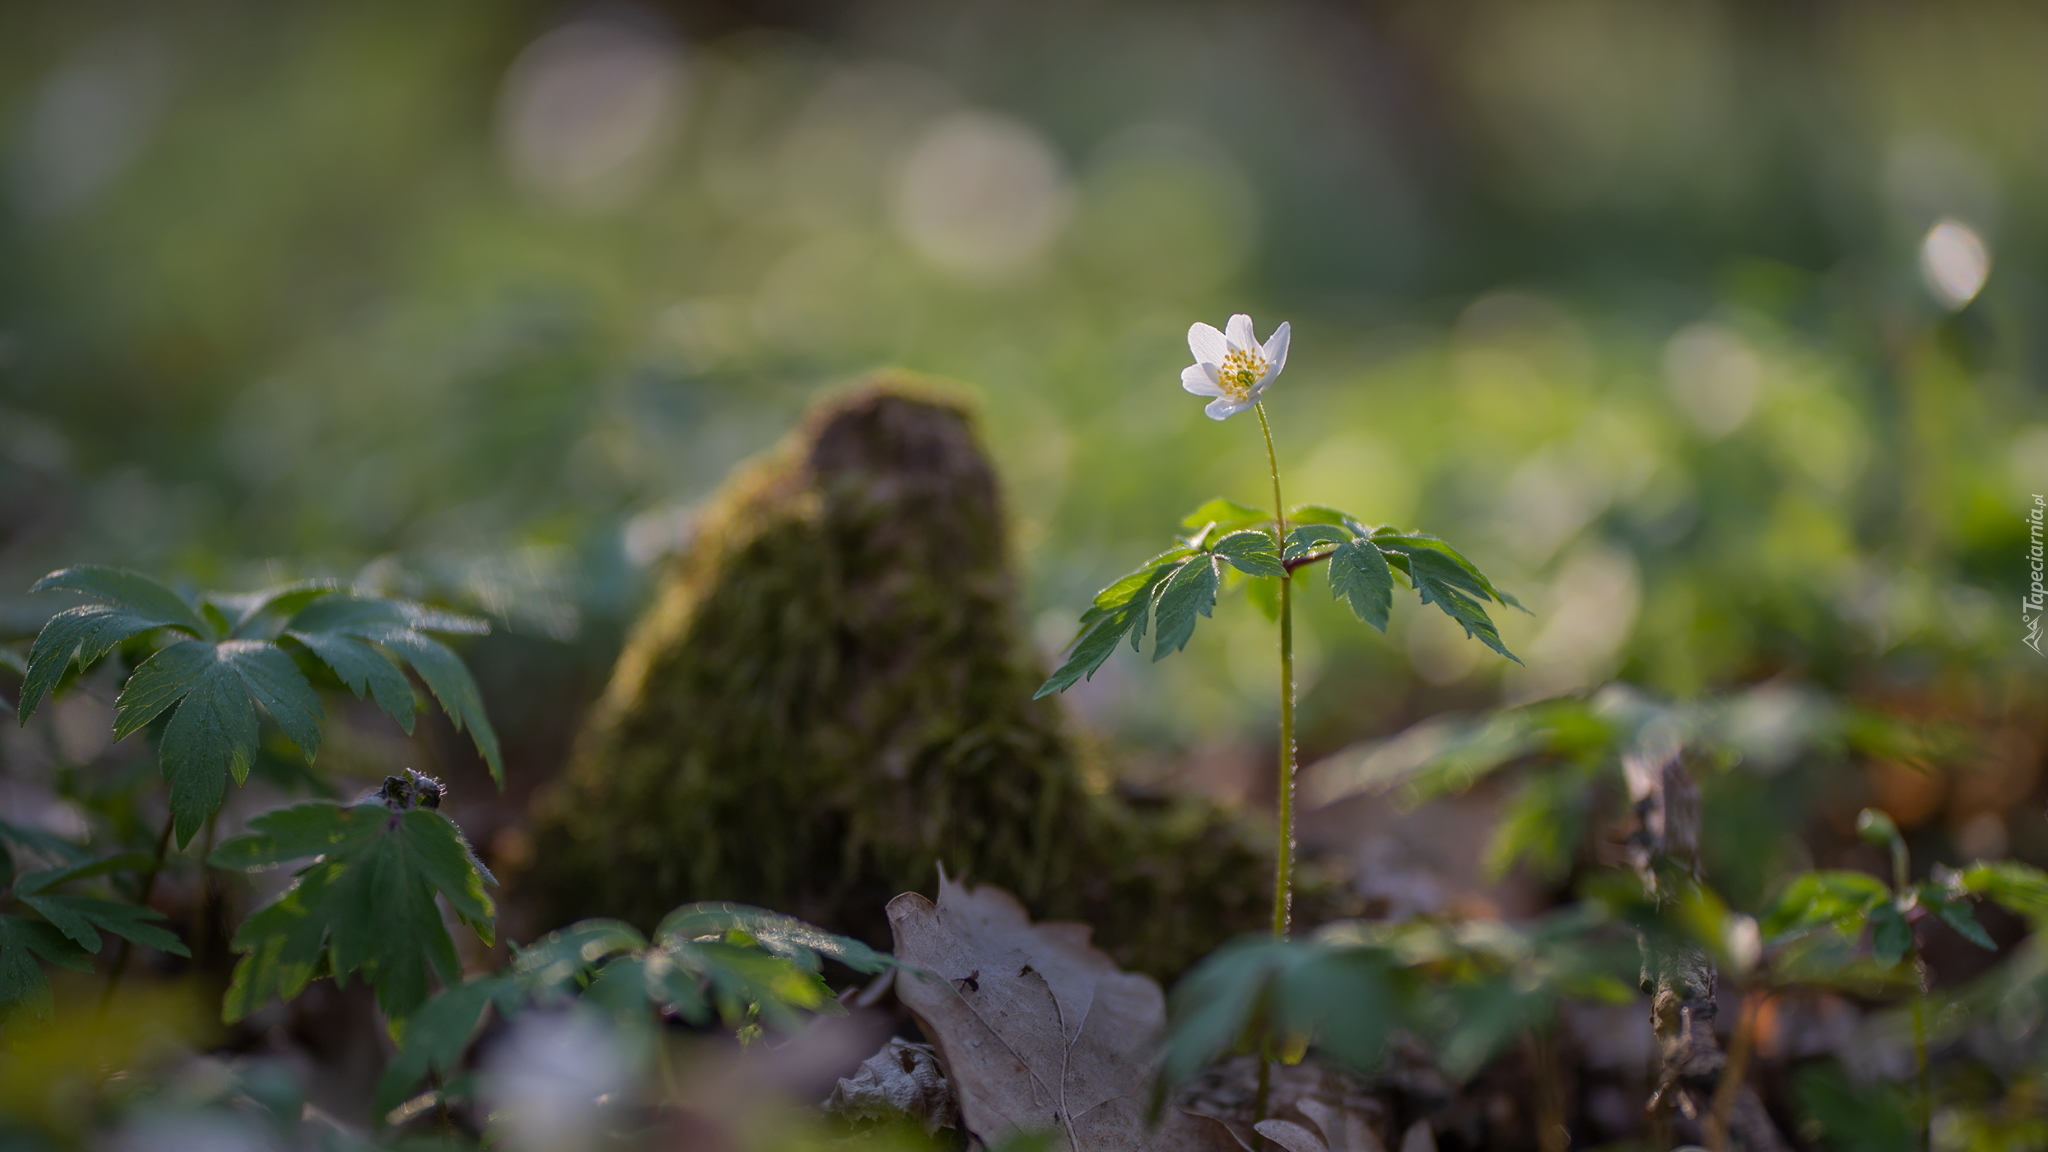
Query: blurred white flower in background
[
  {"x": 546, "y": 1082},
  {"x": 588, "y": 109},
  {"x": 1233, "y": 366},
  {"x": 1743, "y": 942},
  {"x": 1954, "y": 262},
  {"x": 981, "y": 195}
]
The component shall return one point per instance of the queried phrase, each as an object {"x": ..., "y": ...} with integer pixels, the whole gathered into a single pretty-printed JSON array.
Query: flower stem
[
  {"x": 1922, "y": 1076},
  {"x": 1263, "y": 1096},
  {"x": 1283, "y": 873}
]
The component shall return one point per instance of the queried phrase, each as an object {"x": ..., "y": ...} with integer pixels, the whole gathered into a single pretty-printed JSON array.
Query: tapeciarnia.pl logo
[{"x": 2037, "y": 596}]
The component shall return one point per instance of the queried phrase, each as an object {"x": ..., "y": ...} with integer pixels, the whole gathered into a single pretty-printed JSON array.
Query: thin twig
[
  {"x": 202, "y": 920},
  {"x": 1551, "y": 1133},
  {"x": 1259, "y": 1100},
  {"x": 1681, "y": 978},
  {"x": 1734, "y": 1073},
  {"x": 447, "y": 1125},
  {"x": 156, "y": 865}
]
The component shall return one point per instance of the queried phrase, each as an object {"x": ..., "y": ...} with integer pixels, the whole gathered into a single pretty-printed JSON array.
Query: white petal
[
  {"x": 1275, "y": 350},
  {"x": 1200, "y": 379},
  {"x": 1223, "y": 408},
  {"x": 1207, "y": 344},
  {"x": 1240, "y": 332}
]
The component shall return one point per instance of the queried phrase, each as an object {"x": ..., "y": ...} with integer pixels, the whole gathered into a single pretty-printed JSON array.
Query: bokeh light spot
[
  {"x": 90, "y": 119},
  {"x": 1954, "y": 262},
  {"x": 1714, "y": 376},
  {"x": 586, "y": 109},
  {"x": 981, "y": 195}
]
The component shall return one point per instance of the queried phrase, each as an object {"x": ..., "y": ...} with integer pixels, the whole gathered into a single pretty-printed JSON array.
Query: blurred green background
[{"x": 1707, "y": 328}]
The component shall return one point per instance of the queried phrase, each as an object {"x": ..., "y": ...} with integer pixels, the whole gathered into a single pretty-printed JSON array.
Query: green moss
[{"x": 831, "y": 696}]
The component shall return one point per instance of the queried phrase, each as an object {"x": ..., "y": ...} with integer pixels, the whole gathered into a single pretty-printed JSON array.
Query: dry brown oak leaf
[{"x": 1038, "y": 1030}]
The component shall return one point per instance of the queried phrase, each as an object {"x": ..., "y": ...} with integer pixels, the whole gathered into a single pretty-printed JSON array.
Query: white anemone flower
[{"x": 1232, "y": 365}]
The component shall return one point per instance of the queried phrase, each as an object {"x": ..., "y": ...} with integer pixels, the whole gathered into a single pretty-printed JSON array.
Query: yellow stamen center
[{"x": 1239, "y": 373}]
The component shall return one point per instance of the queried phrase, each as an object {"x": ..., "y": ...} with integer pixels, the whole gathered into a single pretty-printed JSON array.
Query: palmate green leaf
[
  {"x": 358, "y": 638},
  {"x": 1360, "y": 577},
  {"x": 739, "y": 959},
  {"x": 714, "y": 960},
  {"x": 1958, "y": 915},
  {"x": 124, "y": 603},
  {"x": 1542, "y": 822},
  {"x": 123, "y": 589},
  {"x": 45, "y": 844},
  {"x": 629, "y": 986},
  {"x": 365, "y": 669},
  {"x": 690, "y": 978},
  {"x": 30, "y": 883},
  {"x": 366, "y": 904},
  {"x": 2020, "y": 887},
  {"x": 212, "y": 735},
  {"x": 1486, "y": 1016},
  {"x": 213, "y": 688},
  {"x": 22, "y": 943},
  {"x": 1119, "y": 610},
  {"x": 777, "y": 933},
  {"x": 1310, "y": 538},
  {"x": 1829, "y": 960},
  {"x": 566, "y": 956},
  {"x": 1137, "y": 586},
  {"x": 1831, "y": 898},
  {"x": 1250, "y": 552},
  {"x": 1172, "y": 591},
  {"x": 452, "y": 685},
  {"x": 1490, "y": 982},
  {"x": 82, "y": 918},
  {"x": 1684, "y": 913},
  {"x": 1473, "y": 579},
  {"x": 1362, "y": 566},
  {"x": 253, "y": 615},
  {"x": 1440, "y": 580},
  {"x": 1096, "y": 643},
  {"x": 1342, "y": 998},
  {"x": 1891, "y": 938},
  {"x": 434, "y": 1039},
  {"x": 1910, "y": 740},
  {"x": 1189, "y": 592}
]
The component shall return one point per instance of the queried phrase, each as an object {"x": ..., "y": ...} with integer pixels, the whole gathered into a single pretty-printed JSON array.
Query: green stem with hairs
[
  {"x": 1283, "y": 873},
  {"x": 1923, "y": 1076}
]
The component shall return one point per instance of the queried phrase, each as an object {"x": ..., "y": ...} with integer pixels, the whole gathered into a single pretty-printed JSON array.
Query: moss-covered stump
[{"x": 831, "y": 696}]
